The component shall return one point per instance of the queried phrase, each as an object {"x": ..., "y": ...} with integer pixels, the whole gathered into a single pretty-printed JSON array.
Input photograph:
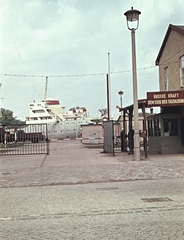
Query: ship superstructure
[{"x": 61, "y": 124}]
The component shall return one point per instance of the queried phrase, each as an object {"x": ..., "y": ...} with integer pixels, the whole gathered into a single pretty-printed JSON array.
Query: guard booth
[
  {"x": 92, "y": 134},
  {"x": 165, "y": 134},
  {"x": 166, "y": 130}
]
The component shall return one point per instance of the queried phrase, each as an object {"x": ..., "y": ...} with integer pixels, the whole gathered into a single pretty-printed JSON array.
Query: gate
[
  {"x": 108, "y": 137},
  {"x": 24, "y": 140}
]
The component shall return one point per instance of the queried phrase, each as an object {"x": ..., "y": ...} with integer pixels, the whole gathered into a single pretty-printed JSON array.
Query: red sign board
[{"x": 165, "y": 98}]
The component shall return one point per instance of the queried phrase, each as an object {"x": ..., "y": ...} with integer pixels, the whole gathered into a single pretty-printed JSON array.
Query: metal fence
[{"x": 24, "y": 140}]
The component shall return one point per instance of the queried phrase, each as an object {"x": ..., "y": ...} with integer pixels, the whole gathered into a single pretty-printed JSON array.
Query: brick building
[{"x": 166, "y": 130}]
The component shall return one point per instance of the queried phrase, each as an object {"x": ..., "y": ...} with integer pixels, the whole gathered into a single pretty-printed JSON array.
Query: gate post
[{"x": 108, "y": 137}]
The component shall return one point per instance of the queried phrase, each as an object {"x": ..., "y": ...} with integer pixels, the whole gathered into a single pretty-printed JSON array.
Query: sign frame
[{"x": 165, "y": 98}]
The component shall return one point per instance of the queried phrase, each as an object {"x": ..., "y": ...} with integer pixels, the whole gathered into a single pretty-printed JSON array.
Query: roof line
[{"x": 174, "y": 27}]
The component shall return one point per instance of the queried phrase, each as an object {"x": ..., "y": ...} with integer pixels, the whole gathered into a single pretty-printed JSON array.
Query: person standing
[
  {"x": 122, "y": 135},
  {"x": 131, "y": 141}
]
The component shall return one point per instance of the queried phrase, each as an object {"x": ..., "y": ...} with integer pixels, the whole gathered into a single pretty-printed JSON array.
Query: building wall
[
  {"x": 92, "y": 134},
  {"x": 170, "y": 58},
  {"x": 165, "y": 145}
]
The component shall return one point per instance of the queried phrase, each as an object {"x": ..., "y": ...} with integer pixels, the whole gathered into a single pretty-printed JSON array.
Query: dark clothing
[
  {"x": 122, "y": 140},
  {"x": 131, "y": 141}
]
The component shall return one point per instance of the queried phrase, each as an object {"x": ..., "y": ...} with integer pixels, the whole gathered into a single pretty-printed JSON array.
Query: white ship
[{"x": 61, "y": 124}]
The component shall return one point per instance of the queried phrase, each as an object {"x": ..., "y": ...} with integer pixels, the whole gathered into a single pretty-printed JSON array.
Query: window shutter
[{"x": 182, "y": 76}]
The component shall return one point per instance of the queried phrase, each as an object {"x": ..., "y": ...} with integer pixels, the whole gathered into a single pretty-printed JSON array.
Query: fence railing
[{"x": 24, "y": 140}]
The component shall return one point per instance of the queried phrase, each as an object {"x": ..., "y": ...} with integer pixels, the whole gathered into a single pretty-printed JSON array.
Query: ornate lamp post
[{"x": 132, "y": 17}]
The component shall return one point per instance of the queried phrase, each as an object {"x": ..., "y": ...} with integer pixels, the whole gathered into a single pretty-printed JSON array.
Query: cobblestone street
[{"x": 81, "y": 193}]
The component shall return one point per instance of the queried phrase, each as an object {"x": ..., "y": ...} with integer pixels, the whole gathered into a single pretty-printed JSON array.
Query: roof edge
[{"x": 174, "y": 27}]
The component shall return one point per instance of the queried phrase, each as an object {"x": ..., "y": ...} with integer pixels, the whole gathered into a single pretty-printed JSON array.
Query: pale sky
[{"x": 69, "y": 41}]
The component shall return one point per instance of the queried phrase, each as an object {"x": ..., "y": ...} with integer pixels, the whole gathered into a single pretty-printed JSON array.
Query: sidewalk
[{"x": 70, "y": 162}]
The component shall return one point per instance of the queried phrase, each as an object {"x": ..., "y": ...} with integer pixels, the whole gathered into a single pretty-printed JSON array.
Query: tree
[
  {"x": 7, "y": 119},
  {"x": 103, "y": 112},
  {"x": 76, "y": 108}
]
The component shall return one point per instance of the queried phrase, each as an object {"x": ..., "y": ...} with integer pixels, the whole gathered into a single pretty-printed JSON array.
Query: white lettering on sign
[
  {"x": 173, "y": 95},
  {"x": 159, "y": 96},
  {"x": 150, "y": 102},
  {"x": 164, "y": 101},
  {"x": 175, "y": 101},
  {"x": 169, "y": 98}
]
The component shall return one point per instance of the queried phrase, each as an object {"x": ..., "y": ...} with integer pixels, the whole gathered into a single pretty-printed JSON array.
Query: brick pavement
[
  {"x": 70, "y": 162},
  {"x": 94, "y": 211},
  {"x": 42, "y": 198}
]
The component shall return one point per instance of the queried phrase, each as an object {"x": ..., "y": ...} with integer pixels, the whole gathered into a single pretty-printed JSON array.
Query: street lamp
[
  {"x": 133, "y": 16},
  {"x": 121, "y": 94}
]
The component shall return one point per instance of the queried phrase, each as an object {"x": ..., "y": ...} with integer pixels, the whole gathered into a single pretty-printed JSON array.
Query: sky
[{"x": 76, "y": 43}]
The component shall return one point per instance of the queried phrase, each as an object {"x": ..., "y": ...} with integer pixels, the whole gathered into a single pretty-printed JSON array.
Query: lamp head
[
  {"x": 132, "y": 16},
  {"x": 120, "y": 93}
]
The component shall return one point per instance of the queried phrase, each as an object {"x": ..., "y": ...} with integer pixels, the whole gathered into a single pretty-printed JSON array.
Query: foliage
[
  {"x": 103, "y": 111},
  {"x": 76, "y": 108},
  {"x": 7, "y": 119}
]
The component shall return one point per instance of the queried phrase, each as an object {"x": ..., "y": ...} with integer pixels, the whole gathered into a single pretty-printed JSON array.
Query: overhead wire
[
  {"x": 69, "y": 75},
  {"x": 82, "y": 75}
]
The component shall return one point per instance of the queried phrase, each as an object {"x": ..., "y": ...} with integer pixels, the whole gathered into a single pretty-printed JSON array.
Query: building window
[
  {"x": 157, "y": 128},
  {"x": 166, "y": 78},
  {"x": 182, "y": 71},
  {"x": 150, "y": 128},
  {"x": 154, "y": 128},
  {"x": 171, "y": 127}
]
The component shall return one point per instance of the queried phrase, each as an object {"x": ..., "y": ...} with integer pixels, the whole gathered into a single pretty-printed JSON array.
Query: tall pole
[
  {"x": 108, "y": 101},
  {"x": 109, "y": 95},
  {"x": 46, "y": 86},
  {"x": 121, "y": 106},
  {"x": 135, "y": 96},
  {"x": 0, "y": 98}
]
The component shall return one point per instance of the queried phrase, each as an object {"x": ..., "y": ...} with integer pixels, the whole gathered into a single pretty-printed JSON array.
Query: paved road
[
  {"x": 95, "y": 211},
  {"x": 80, "y": 193}
]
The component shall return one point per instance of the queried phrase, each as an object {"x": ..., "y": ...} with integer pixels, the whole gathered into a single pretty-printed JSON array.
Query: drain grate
[
  {"x": 161, "y": 199},
  {"x": 107, "y": 188}
]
